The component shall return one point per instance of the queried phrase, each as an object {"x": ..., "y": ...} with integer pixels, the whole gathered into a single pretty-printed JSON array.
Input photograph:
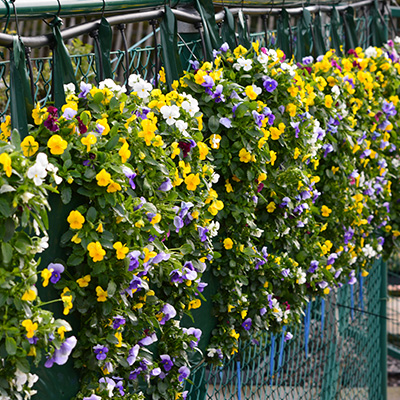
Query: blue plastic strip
[
  {"x": 272, "y": 357},
  {"x": 322, "y": 317},
  {"x": 361, "y": 291},
  {"x": 307, "y": 319},
  {"x": 281, "y": 349},
  {"x": 239, "y": 381},
  {"x": 352, "y": 302}
]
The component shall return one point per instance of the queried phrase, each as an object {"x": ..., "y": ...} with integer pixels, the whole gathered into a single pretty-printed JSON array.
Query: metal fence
[
  {"x": 142, "y": 60},
  {"x": 336, "y": 354},
  {"x": 393, "y": 307}
]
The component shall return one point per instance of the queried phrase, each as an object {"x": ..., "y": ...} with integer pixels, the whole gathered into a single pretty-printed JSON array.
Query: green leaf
[
  {"x": 22, "y": 243},
  {"x": 6, "y": 252},
  {"x": 241, "y": 110},
  {"x": 112, "y": 143},
  {"x": 16, "y": 140},
  {"x": 66, "y": 194},
  {"x": 90, "y": 173},
  {"x": 23, "y": 365},
  {"x": 5, "y": 208},
  {"x": 213, "y": 124},
  {"x": 11, "y": 346},
  {"x": 186, "y": 249},
  {"x": 98, "y": 97},
  {"x": 91, "y": 214},
  {"x": 194, "y": 86},
  {"x": 74, "y": 260},
  {"x": 9, "y": 229},
  {"x": 111, "y": 288}
]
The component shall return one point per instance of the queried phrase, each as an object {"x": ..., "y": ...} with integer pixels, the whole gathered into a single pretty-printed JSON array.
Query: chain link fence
[{"x": 334, "y": 355}]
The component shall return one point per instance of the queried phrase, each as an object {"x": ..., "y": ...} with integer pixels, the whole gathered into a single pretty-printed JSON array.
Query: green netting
[{"x": 336, "y": 355}]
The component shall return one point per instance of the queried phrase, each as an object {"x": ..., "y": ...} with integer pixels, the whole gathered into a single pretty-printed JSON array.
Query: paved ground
[{"x": 393, "y": 393}]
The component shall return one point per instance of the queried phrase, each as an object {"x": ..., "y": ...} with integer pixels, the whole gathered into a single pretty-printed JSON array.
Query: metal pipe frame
[{"x": 45, "y": 40}]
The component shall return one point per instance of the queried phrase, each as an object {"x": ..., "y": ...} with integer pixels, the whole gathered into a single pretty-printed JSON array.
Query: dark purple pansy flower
[
  {"x": 100, "y": 351},
  {"x": 118, "y": 321},
  {"x": 166, "y": 362},
  {"x": 247, "y": 324},
  {"x": 270, "y": 84}
]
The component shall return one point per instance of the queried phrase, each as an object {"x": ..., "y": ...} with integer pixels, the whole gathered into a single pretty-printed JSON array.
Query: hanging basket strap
[
  {"x": 304, "y": 35},
  {"x": 228, "y": 29},
  {"x": 335, "y": 26},
  {"x": 169, "y": 44},
  {"x": 102, "y": 49},
  {"x": 63, "y": 71},
  {"x": 20, "y": 90}
]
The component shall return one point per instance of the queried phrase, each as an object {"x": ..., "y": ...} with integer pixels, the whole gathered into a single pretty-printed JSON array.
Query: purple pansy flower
[
  {"x": 100, "y": 351},
  {"x": 226, "y": 122},
  {"x": 118, "y": 321},
  {"x": 166, "y": 185},
  {"x": 270, "y": 84},
  {"x": 169, "y": 312},
  {"x": 56, "y": 271},
  {"x": 166, "y": 362},
  {"x": 133, "y": 353},
  {"x": 130, "y": 175},
  {"x": 60, "y": 356},
  {"x": 184, "y": 373},
  {"x": 247, "y": 324}
]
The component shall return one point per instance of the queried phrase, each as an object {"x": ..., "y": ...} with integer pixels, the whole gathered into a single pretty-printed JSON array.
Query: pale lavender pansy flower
[
  {"x": 133, "y": 353},
  {"x": 60, "y": 356},
  {"x": 184, "y": 373}
]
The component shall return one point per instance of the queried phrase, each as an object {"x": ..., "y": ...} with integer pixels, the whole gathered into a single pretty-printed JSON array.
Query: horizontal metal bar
[
  {"x": 291, "y": 11},
  {"x": 181, "y": 15},
  {"x": 28, "y": 9}
]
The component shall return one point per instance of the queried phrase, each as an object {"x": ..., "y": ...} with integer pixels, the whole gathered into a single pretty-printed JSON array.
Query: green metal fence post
[{"x": 383, "y": 329}]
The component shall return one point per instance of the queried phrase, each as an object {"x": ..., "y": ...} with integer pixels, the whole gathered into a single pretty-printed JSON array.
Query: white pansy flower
[
  {"x": 215, "y": 178},
  {"x": 181, "y": 125},
  {"x": 142, "y": 89},
  {"x": 262, "y": 58},
  {"x": 213, "y": 228},
  {"x": 371, "y": 52},
  {"x": 133, "y": 78},
  {"x": 335, "y": 90},
  {"x": 369, "y": 251},
  {"x": 37, "y": 172},
  {"x": 242, "y": 63},
  {"x": 43, "y": 244},
  {"x": 42, "y": 160},
  {"x": 301, "y": 277},
  {"x": 257, "y": 90},
  {"x": 69, "y": 88},
  {"x": 170, "y": 113},
  {"x": 190, "y": 107},
  {"x": 19, "y": 380}
]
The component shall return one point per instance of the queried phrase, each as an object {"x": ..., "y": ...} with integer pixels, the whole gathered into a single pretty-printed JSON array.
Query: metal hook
[
  {"x": 103, "y": 9},
  {"x": 16, "y": 18},
  {"x": 59, "y": 8},
  {"x": 8, "y": 15}
]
